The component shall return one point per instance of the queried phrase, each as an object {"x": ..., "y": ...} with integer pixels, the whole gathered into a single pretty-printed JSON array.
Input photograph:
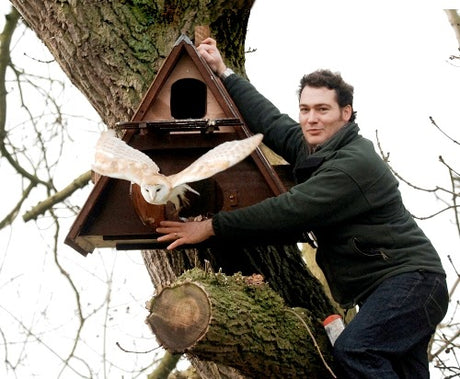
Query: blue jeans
[{"x": 389, "y": 336}]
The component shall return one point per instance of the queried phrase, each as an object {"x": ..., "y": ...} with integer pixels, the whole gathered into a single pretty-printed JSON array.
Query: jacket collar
[
  {"x": 344, "y": 136},
  {"x": 305, "y": 168}
]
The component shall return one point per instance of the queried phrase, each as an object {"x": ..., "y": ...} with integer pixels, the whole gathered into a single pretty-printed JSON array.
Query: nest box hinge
[{"x": 233, "y": 199}]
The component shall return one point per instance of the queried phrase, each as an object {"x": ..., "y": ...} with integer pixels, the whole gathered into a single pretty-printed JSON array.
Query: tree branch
[
  {"x": 5, "y": 41},
  {"x": 47, "y": 204},
  {"x": 386, "y": 159},
  {"x": 442, "y": 131},
  {"x": 232, "y": 320},
  {"x": 447, "y": 343},
  {"x": 10, "y": 217},
  {"x": 454, "y": 20},
  {"x": 167, "y": 365}
]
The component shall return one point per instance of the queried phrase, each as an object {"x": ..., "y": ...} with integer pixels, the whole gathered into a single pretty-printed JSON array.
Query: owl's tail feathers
[
  {"x": 178, "y": 198},
  {"x": 191, "y": 189}
]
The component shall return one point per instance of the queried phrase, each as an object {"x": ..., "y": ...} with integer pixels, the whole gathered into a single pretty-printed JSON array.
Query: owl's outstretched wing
[
  {"x": 216, "y": 160},
  {"x": 116, "y": 159}
]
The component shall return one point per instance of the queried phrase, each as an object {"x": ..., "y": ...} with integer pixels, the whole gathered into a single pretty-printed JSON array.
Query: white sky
[{"x": 397, "y": 59}]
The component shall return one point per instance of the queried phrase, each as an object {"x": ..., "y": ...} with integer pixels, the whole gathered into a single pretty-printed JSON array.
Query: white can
[{"x": 333, "y": 325}]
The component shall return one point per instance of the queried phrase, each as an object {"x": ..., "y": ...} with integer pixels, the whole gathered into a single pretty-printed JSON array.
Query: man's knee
[
  {"x": 345, "y": 347},
  {"x": 355, "y": 360}
]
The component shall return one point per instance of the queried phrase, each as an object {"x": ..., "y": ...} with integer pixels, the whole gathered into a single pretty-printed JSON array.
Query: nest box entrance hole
[{"x": 188, "y": 99}]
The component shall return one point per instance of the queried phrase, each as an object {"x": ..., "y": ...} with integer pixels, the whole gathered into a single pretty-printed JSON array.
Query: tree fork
[{"x": 237, "y": 320}]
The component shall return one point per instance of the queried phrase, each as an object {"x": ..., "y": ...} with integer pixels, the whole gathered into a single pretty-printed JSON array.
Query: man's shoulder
[
  {"x": 357, "y": 158},
  {"x": 358, "y": 148}
]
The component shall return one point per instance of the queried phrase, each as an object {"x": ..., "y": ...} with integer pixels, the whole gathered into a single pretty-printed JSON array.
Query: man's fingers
[
  {"x": 171, "y": 231},
  {"x": 167, "y": 237},
  {"x": 209, "y": 41},
  {"x": 175, "y": 244},
  {"x": 167, "y": 227}
]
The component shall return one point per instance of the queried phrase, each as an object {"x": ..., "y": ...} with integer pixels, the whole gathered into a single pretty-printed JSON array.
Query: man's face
[{"x": 320, "y": 115}]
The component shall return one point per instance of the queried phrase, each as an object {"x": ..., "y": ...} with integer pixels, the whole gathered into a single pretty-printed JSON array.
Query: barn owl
[{"x": 116, "y": 159}]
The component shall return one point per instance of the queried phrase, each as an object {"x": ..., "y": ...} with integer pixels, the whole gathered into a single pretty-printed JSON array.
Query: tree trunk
[
  {"x": 111, "y": 51},
  {"x": 239, "y": 321}
]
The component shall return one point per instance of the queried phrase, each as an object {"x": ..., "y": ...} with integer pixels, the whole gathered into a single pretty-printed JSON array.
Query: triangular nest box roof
[{"x": 185, "y": 112}]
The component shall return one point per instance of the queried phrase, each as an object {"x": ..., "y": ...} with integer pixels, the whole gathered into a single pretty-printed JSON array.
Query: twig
[
  {"x": 10, "y": 217},
  {"x": 447, "y": 343},
  {"x": 314, "y": 342},
  {"x": 455, "y": 207},
  {"x": 77, "y": 296},
  {"x": 136, "y": 352},
  {"x": 442, "y": 131},
  {"x": 38, "y": 339}
]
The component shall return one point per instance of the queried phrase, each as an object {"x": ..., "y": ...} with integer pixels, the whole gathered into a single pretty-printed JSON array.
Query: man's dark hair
[{"x": 330, "y": 80}]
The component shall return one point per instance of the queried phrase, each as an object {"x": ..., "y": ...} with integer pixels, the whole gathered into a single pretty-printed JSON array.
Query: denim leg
[
  {"x": 389, "y": 336},
  {"x": 414, "y": 363}
]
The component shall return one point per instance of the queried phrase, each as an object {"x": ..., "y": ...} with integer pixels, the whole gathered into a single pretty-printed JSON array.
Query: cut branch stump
[{"x": 235, "y": 321}]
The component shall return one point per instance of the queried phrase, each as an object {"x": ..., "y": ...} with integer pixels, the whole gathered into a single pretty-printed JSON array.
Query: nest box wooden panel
[{"x": 186, "y": 112}]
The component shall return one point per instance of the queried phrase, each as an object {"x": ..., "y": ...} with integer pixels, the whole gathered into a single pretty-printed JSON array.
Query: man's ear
[{"x": 347, "y": 111}]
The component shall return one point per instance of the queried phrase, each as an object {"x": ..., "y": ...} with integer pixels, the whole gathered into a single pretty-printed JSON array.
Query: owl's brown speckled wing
[
  {"x": 216, "y": 160},
  {"x": 116, "y": 159}
]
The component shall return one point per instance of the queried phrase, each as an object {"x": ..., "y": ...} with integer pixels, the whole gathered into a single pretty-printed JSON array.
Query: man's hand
[
  {"x": 183, "y": 233},
  {"x": 209, "y": 51}
]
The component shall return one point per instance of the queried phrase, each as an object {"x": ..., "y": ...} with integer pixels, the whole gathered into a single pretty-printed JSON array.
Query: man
[{"x": 370, "y": 249}]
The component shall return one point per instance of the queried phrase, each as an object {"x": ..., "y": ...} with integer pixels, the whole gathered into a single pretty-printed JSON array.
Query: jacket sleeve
[
  {"x": 328, "y": 198},
  {"x": 281, "y": 133}
]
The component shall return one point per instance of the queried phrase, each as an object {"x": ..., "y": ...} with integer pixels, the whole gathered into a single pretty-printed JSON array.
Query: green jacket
[{"x": 346, "y": 195}]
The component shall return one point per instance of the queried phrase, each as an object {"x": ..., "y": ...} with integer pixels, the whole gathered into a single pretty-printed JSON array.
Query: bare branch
[
  {"x": 37, "y": 338},
  {"x": 81, "y": 319},
  {"x": 442, "y": 131},
  {"x": 58, "y": 197},
  {"x": 5, "y": 41},
  {"x": 456, "y": 207},
  {"x": 10, "y": 217},
  {"x": 402, "y": 179},
  {"x": 447, "y": 343},
  {"x": 454, "y": 177}
]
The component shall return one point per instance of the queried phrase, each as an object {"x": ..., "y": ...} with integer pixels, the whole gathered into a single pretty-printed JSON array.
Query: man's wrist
[
  {"x": 210, "y": 228},
  {"x": 226, "y": 73}
]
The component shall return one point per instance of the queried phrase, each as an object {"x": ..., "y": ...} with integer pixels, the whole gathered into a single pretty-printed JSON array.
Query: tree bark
[
  {"x": 454, "y": 20},
  {"x": 241, "y": 322}
]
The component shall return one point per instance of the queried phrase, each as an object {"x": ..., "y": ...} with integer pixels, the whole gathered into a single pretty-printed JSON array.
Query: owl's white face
[{"x": 156, "y": 193}]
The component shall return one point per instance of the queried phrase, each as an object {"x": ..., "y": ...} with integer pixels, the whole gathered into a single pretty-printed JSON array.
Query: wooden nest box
[{"x": 186, "y": 112}]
